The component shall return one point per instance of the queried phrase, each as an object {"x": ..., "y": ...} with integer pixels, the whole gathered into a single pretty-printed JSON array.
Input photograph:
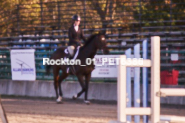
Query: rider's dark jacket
[{"x": 75, "y": 36}]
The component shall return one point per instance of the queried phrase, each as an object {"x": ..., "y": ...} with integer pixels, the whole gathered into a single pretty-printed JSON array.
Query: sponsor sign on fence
[
  {"x": 23, "y": 64},
  {"x": 105, "y": 66}
]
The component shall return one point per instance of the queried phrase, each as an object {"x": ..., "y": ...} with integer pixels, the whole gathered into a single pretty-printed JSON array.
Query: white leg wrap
[
  {"x": 59, "y": 99},
  {"x": 75, "y": 96},
  {"x": 87, "y": 102}
]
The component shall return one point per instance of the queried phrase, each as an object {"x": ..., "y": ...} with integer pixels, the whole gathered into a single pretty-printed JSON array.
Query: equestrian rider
[{"x": 75, "y": 35}]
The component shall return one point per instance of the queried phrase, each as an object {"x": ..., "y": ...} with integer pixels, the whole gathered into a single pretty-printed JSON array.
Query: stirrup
[
  {"x": 67, "y": 70},
  {"x": 68, "y": 57}
]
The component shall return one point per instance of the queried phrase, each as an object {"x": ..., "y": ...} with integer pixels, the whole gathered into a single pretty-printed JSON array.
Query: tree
[{"x": 160, "y": 12}]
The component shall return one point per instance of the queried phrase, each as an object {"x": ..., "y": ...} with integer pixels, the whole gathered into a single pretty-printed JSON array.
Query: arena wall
[{"x": 97, "y": 91}]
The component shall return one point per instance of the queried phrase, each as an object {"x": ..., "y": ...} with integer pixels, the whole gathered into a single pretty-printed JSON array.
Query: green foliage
[
  {"x": 94, "y": 13},
  {"x": 160, "y": 12}
]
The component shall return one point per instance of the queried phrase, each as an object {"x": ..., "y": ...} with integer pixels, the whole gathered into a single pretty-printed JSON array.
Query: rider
[{"x": 75, "y": 35}]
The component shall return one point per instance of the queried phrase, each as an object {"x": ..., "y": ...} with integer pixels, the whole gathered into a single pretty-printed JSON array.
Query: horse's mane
[{"x": 90, "y": 39}]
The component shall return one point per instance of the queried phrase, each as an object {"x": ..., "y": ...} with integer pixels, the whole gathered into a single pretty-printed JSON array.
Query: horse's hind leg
[
  {"x": 87, "y": 79},
  {"x": 61, "y": 78},
  {"x": 80, "y": 79}
]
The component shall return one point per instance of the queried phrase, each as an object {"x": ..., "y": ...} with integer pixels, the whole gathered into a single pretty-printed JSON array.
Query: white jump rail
[
  {"x": 171, "y": 92},
  {"x": 156, "y": 91},
  {"x": 172, "y": 118},
  {"x": 122, "y": 111}
]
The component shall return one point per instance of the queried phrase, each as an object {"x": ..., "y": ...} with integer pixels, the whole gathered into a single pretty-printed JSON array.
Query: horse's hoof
[
  {"x": 59, "y": 100},
  {"x": 87, "y": 102},
  {"x": 74, "y": 97}
]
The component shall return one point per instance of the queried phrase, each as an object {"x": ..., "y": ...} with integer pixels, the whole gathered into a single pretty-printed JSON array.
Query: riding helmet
[{"x": 76, "y": 17}]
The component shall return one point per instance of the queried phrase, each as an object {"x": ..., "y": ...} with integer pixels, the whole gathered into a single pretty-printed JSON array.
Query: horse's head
[
  {"x": 101, "y": 43},
  {"x": 98, "y": 41}
]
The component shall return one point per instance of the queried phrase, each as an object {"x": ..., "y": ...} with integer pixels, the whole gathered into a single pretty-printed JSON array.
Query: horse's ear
[{"x": 101, "y": 33}]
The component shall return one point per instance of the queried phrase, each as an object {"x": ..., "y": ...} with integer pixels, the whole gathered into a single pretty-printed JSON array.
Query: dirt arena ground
[{"x": 34, "y": 110}]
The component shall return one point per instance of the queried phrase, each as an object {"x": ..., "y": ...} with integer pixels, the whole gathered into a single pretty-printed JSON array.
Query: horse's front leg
[
  {"x": 87, "y": 79},
  {"x": 56, "y": 86}
]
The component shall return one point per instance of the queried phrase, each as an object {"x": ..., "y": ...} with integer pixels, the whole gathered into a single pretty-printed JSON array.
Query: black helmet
[{"x": 76, "y": 17}]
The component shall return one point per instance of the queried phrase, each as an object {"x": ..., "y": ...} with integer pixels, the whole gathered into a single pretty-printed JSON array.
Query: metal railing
[{"x": 125, "y": 23}]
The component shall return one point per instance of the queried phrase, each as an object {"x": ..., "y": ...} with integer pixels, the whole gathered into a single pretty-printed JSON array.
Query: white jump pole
[
  {"x": 155, "y": 79},
  {"x": 154, "y": 63},
  {"x": 156, "y": 91},
  {"x": 2, "y": 113},
  {"x": 121, "y": 92}
]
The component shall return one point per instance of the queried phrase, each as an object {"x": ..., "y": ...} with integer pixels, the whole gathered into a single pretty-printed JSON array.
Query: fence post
[
  {"x": 18, "y": 21},
  {"x": 41, "y": 12},
  {"x": 84, "y": 14},
  {"x": 145, "y": 80},
  {"x": 140, "y": 13},
  {"x": 59, "y": 16},
  {"x": 137, "y": 82},
  {"x": 129, "y": 85}
]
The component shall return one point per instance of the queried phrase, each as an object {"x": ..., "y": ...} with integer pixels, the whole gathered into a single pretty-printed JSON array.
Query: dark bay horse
[{"x": 94, "y": 42}]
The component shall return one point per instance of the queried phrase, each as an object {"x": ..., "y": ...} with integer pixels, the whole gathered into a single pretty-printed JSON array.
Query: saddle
[{"x": 71, "y": 56}]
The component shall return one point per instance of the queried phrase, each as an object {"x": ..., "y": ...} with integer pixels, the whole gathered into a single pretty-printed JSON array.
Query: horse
[{"x": 94, "y": 43}]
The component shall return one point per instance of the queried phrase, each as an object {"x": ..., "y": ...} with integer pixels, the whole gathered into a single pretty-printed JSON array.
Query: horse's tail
[{"x": 48, "y": 67}]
